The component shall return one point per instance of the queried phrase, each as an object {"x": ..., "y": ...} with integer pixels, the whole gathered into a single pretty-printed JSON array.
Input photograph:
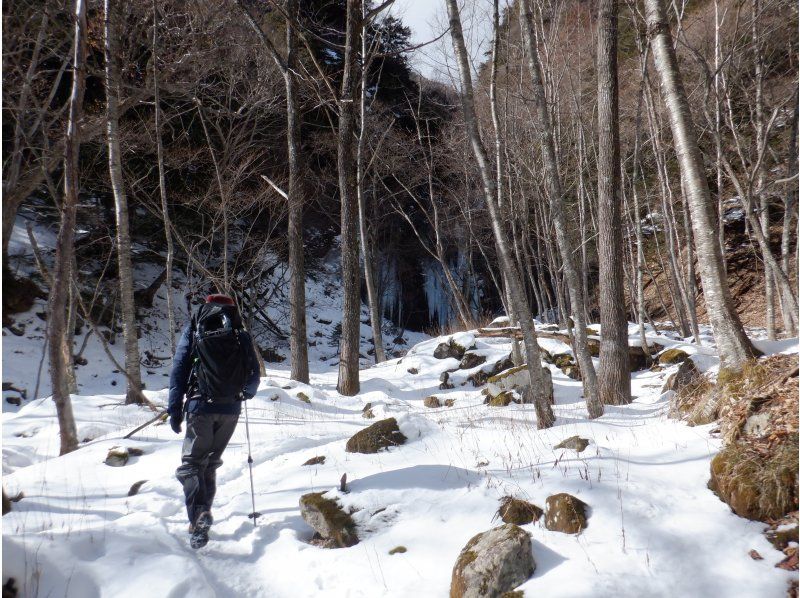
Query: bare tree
[
  {"x": 123, "y": 238},
  {"x": 539, "y": 386},
  {"x": 734, "y": 346},
  {"x": 614, "y": 381},
  {"x": 558, "y": 212},
  {"x": 162, "y": 186},
  {"x": 59, "y": 292},
  {"x": 298, "y": 338}
]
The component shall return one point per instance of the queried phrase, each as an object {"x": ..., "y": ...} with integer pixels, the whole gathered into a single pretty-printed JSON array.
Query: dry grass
[{"x": 756, "y": 471}]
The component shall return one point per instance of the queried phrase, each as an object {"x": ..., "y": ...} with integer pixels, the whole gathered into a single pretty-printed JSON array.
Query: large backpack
[{"x": 221, "y": 361}]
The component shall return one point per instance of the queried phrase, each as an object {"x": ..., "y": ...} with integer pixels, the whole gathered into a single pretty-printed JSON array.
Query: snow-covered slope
[{"x": 654, "y": 528}]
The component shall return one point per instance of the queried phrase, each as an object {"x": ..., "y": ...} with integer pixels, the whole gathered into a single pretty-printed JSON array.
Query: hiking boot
[{"x": 200, "y": 530}]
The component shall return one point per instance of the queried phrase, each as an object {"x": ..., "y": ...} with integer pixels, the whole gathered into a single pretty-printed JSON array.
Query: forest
[{"x": 542, "y": 253}]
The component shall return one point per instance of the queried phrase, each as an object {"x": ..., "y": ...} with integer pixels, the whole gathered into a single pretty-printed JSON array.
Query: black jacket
[{"x": 182, "y": 371}]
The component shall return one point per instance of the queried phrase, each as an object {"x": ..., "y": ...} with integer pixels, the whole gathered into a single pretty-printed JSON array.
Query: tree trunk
[
  {"x": 539, "y": 389},
  {"x": 298, "y": 340},
  {"x": 734, "y": 347},
  {"x": 162, "y": 186},
  {"x": 351, "y": 309},
  {"x": 59, "y": 292},
  {"x": 790, "y": 218},
  {"x": 127, "y": 305},
  {"x": 558, "y": 212},
  {"x": 614, "y": 380},
  {"x": 375, "y": 317}
]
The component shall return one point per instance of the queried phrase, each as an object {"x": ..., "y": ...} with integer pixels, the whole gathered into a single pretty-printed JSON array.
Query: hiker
[{"x": 215, "y": 368}]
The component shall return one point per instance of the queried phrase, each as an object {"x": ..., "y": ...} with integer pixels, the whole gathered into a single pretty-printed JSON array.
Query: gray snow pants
[{"x": 207, "y": 435}]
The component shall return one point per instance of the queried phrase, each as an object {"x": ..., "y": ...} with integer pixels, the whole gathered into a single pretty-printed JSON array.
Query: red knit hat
[{"x": 220, "y": 299}]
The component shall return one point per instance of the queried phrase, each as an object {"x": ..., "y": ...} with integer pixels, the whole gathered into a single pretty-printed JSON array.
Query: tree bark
[
  {"x": 558, "y": 212},
  {"x": 123, "y": 237},
  {"x": 539, "y": 388},
  {"x": 614, "y": 381},
  {"x": 298, "y": 339},
  {"x": 162, "y": 187},
  {"x": 734, "y": 347},
  {"x": 348, "y": 383},
  {"x": 59, "y": 292},
  {"x": 296, "y": 193},
  {"x": 373, "y": 301}
]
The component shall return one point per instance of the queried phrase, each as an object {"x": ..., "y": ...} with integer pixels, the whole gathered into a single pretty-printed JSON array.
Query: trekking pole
[{"x": 254, "y": 515}]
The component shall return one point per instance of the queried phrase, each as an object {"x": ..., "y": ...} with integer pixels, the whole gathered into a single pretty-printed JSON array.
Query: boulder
[
  {"x": 492, "y": 563},
  {"x": 318, "y": 460},
  {"x": 366, "y": 412},
  {"x": 480, "y": 377},
  {"x": 379, "y": 435},
  {"x": 398, "y": 550},
  {"x": 335, "y": 526},
  {"x": 450, "y": 349},
  {"x": 6, "y": 503},
  {"x": 517, "y": 378},
  {"x": 413, "y": 371},
  {"x": 565, "y": 514},
  {"x": 449, "y": 402},
  {"x": 518, "y": 511},
  {"x": 471, "y": 360},
  {"x": 301, "y": 396},
  {"x": 117, "y": 457},
  {"x": 686, "y": 376},
  {"x": 672, "y": 356},
  {"x": 432, "y": 402},
  {"x": 576, "y": 443}
]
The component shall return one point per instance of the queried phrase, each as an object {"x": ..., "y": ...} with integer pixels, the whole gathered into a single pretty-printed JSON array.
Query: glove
[
  {"x": 175, "y": 422},
  {"x": 245, "y": 396}
]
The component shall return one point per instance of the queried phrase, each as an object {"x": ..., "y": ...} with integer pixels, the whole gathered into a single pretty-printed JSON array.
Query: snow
[{"x": 654, "y": 528}]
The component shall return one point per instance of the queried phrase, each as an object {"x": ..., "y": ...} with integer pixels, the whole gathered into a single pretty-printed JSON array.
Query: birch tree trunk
[
  {"x": 123, "y": 238},
  {"x": 734, "y": 347},
  {"x": 565, "y": 246},
  {"x": 348, "y": 383},
  {"x": 539, "y": 387},
  {"x": 59, "y": 292},
  {"x": 614, "y": 380}
]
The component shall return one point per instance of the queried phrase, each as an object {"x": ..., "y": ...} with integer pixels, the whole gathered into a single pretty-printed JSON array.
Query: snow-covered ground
[{"x": 654, "y": 528}]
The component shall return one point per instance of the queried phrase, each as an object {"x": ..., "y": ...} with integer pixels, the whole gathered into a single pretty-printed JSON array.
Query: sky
[{"x": 428, "y": 19}]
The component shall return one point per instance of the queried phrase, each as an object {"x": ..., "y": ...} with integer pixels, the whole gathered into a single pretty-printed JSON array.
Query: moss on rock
[
  {"x": 328, "y": 519},
  {"x": 379, "y": 435},
  {"x": 755, "y": 485},
  {"x": 503, "y": 399},
  {"x": 672, "y": 356}
]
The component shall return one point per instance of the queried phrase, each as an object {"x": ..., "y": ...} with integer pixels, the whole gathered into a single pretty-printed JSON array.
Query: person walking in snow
[{"x": 215, "y": 368}]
